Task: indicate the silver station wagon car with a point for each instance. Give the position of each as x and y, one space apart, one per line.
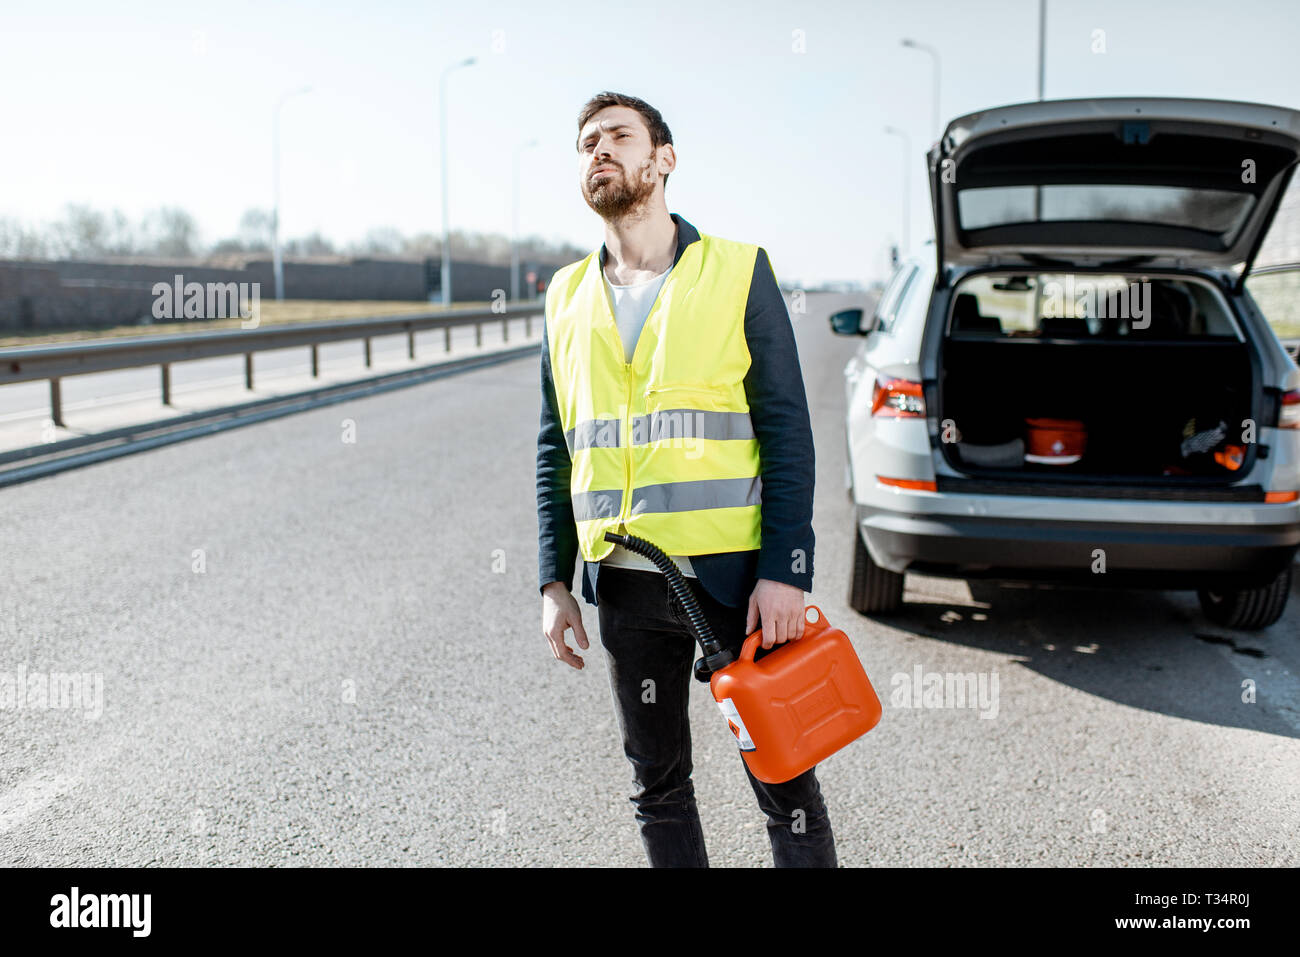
1073 384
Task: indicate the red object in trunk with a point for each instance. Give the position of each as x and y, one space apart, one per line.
1231 456
1054 441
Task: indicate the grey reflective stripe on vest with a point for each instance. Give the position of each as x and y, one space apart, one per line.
687 496
594 434
603 504
690 424
658 426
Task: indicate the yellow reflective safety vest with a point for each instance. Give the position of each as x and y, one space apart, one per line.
663 446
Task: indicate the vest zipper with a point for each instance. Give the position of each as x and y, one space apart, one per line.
627 449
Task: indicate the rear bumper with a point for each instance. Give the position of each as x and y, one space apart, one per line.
1172 556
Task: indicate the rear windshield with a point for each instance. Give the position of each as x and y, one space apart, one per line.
1213 211
1087 306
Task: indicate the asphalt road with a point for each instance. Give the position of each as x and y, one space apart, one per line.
322 652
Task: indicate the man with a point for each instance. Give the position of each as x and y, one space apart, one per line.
673 409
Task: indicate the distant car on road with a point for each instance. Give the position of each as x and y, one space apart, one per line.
1074 385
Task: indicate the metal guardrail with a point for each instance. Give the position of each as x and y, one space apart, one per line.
53 362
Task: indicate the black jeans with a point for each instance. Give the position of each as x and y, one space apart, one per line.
647 639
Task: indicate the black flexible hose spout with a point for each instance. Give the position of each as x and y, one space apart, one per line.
715 656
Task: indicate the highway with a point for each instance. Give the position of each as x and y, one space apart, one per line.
315 651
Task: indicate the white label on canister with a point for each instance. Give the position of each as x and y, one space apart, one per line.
729 712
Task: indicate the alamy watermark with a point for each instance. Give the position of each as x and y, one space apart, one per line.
55 689
75 909
670 428
1099 300
212 300
933 689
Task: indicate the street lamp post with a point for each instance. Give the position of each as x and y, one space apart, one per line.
934 54
1042 73
514 221
442 142
1042 45
277 263
1038 189
907 179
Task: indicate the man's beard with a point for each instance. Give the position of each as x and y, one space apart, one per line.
613 196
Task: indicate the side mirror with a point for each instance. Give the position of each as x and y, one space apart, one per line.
847 322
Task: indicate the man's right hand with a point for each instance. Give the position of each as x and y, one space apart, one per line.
560 611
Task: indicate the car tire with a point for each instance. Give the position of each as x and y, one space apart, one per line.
872 590
1248 608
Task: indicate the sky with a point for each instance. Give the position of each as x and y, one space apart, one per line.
777 110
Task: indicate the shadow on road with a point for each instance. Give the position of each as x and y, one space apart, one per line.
1152 650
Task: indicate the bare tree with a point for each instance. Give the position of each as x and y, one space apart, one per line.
255 230
81 232
21 242
119 237
381 241
425 245
313 245
172 233
534 247
84 232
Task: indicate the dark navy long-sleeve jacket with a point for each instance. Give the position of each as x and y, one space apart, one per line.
778 408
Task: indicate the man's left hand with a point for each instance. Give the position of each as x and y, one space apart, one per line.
781 609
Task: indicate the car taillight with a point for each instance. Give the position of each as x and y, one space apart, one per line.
897 398
1289 417
920 485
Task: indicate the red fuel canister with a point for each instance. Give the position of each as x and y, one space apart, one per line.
798 704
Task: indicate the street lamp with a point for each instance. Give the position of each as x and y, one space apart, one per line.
278 265
1042 45
442 141
934 54
514 221
907 189
1042 73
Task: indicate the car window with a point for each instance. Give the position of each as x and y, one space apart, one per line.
915 302
1217 211
887 307
1088 305
886 300
889 317
1277 293
1083 306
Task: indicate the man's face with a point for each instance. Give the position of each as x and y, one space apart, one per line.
618 171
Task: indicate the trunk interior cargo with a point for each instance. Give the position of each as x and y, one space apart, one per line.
1138 402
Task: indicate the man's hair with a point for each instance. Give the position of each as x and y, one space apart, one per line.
659 132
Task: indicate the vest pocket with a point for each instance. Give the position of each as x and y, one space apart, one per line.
687 389
692 410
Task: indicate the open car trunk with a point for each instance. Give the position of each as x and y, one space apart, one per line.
1155 402
1166 182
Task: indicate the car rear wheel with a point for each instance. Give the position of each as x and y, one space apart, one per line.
1248 608
872 590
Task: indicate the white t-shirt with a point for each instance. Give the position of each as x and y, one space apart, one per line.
632 306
